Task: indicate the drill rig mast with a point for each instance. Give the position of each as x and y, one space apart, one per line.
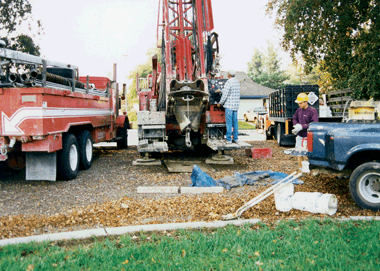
177 102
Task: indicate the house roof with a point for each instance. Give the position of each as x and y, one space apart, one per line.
248 88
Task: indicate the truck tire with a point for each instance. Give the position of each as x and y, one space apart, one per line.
365 186
279 133
68 157
123 133
85 149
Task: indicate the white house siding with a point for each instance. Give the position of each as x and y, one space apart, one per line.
246 104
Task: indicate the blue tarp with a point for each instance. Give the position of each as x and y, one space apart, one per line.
202 179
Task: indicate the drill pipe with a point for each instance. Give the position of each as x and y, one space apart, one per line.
12 77
60 80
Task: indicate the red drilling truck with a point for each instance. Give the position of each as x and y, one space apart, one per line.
178 101
50 117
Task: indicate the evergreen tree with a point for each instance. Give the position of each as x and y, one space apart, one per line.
265 69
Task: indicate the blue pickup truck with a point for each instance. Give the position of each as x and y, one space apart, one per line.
351 146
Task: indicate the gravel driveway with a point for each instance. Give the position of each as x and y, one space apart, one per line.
110 184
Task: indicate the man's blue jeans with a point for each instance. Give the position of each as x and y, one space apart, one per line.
231 123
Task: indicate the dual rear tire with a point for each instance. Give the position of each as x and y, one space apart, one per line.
76 153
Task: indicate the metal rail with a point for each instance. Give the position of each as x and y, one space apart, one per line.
23 58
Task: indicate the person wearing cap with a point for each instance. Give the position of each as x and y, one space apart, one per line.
230 100
304 115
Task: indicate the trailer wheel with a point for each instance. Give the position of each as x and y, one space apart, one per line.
85 149
123 133
279 133
365 186
269 133
68 157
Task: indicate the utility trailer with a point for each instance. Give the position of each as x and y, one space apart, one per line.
282 107
177 102
50 117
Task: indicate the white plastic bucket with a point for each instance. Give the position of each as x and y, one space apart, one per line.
305 167
283 198
315 202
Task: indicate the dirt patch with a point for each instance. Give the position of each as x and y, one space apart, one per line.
105 195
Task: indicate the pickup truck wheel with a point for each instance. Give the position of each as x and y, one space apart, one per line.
85 149
123 133
365 186
279 133
68 157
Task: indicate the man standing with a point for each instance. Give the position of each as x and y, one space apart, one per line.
304 115
230 101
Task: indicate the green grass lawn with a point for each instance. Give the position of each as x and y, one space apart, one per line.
246 126
305 245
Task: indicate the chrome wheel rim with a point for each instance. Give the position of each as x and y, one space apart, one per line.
369 187
73 159
88 150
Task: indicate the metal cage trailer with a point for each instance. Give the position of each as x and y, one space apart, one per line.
282 107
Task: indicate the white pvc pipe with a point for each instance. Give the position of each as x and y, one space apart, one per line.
267 193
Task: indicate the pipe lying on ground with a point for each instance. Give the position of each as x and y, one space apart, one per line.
262 196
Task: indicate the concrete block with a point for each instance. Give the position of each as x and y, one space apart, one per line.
158 189
200 190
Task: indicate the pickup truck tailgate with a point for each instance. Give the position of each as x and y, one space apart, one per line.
322 151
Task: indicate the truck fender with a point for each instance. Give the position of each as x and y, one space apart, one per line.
363 147
360 148
120 120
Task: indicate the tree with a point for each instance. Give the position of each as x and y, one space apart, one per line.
344 34
255 66
24 43
265 69
13 13
317 76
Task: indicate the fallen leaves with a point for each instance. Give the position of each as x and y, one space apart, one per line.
157 209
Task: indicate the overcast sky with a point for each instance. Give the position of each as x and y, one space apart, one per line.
94 34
